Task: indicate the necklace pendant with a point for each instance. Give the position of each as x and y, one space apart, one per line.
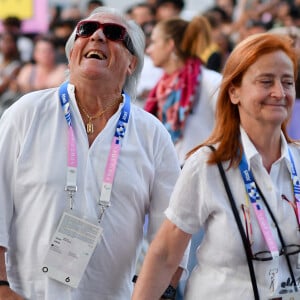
89 128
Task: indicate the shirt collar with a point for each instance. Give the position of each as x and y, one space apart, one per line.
252 154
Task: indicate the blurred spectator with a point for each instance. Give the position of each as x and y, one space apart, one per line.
217 18
61 30
10 65
166 9
230 15
296 13
92 4
244 14
44 72
206 49
147 29
283 15
144 15
217 14
250 28
152 3
72 12
185 96
54 14
228 6
25 44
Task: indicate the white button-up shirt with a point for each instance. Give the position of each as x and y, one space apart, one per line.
200 200
33 166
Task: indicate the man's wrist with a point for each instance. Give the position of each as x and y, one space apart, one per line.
4 283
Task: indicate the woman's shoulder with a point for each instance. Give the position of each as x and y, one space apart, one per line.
24 75
199 156
27 68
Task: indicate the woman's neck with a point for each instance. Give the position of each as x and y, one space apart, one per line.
173 66
268 144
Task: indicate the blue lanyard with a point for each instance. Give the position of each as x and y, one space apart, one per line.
296 185
254 195
111 164
260 214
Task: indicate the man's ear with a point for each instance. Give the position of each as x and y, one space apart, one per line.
132 65
234 94
71 52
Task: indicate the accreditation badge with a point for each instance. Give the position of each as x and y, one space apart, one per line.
71 248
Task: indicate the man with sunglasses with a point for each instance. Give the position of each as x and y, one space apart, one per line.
82 166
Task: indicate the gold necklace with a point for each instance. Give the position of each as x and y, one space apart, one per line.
89 124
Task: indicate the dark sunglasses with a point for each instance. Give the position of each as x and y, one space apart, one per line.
113 32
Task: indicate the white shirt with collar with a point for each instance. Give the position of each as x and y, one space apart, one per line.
33 150
222 271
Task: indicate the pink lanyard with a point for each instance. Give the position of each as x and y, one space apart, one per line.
111 165
260 214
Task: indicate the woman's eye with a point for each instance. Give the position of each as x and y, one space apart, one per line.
288 83
266 82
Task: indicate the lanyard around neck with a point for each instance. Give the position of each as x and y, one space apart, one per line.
71 186
254 196
296 185
109 174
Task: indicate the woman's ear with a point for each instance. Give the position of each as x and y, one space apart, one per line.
234 95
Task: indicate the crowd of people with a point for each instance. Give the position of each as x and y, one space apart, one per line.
151 153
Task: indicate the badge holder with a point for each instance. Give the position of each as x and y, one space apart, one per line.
71 248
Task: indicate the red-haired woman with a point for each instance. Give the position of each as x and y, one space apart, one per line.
251 244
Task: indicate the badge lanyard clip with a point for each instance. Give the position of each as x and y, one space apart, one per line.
71 190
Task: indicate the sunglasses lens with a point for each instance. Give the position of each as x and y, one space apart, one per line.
87 28
113 32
